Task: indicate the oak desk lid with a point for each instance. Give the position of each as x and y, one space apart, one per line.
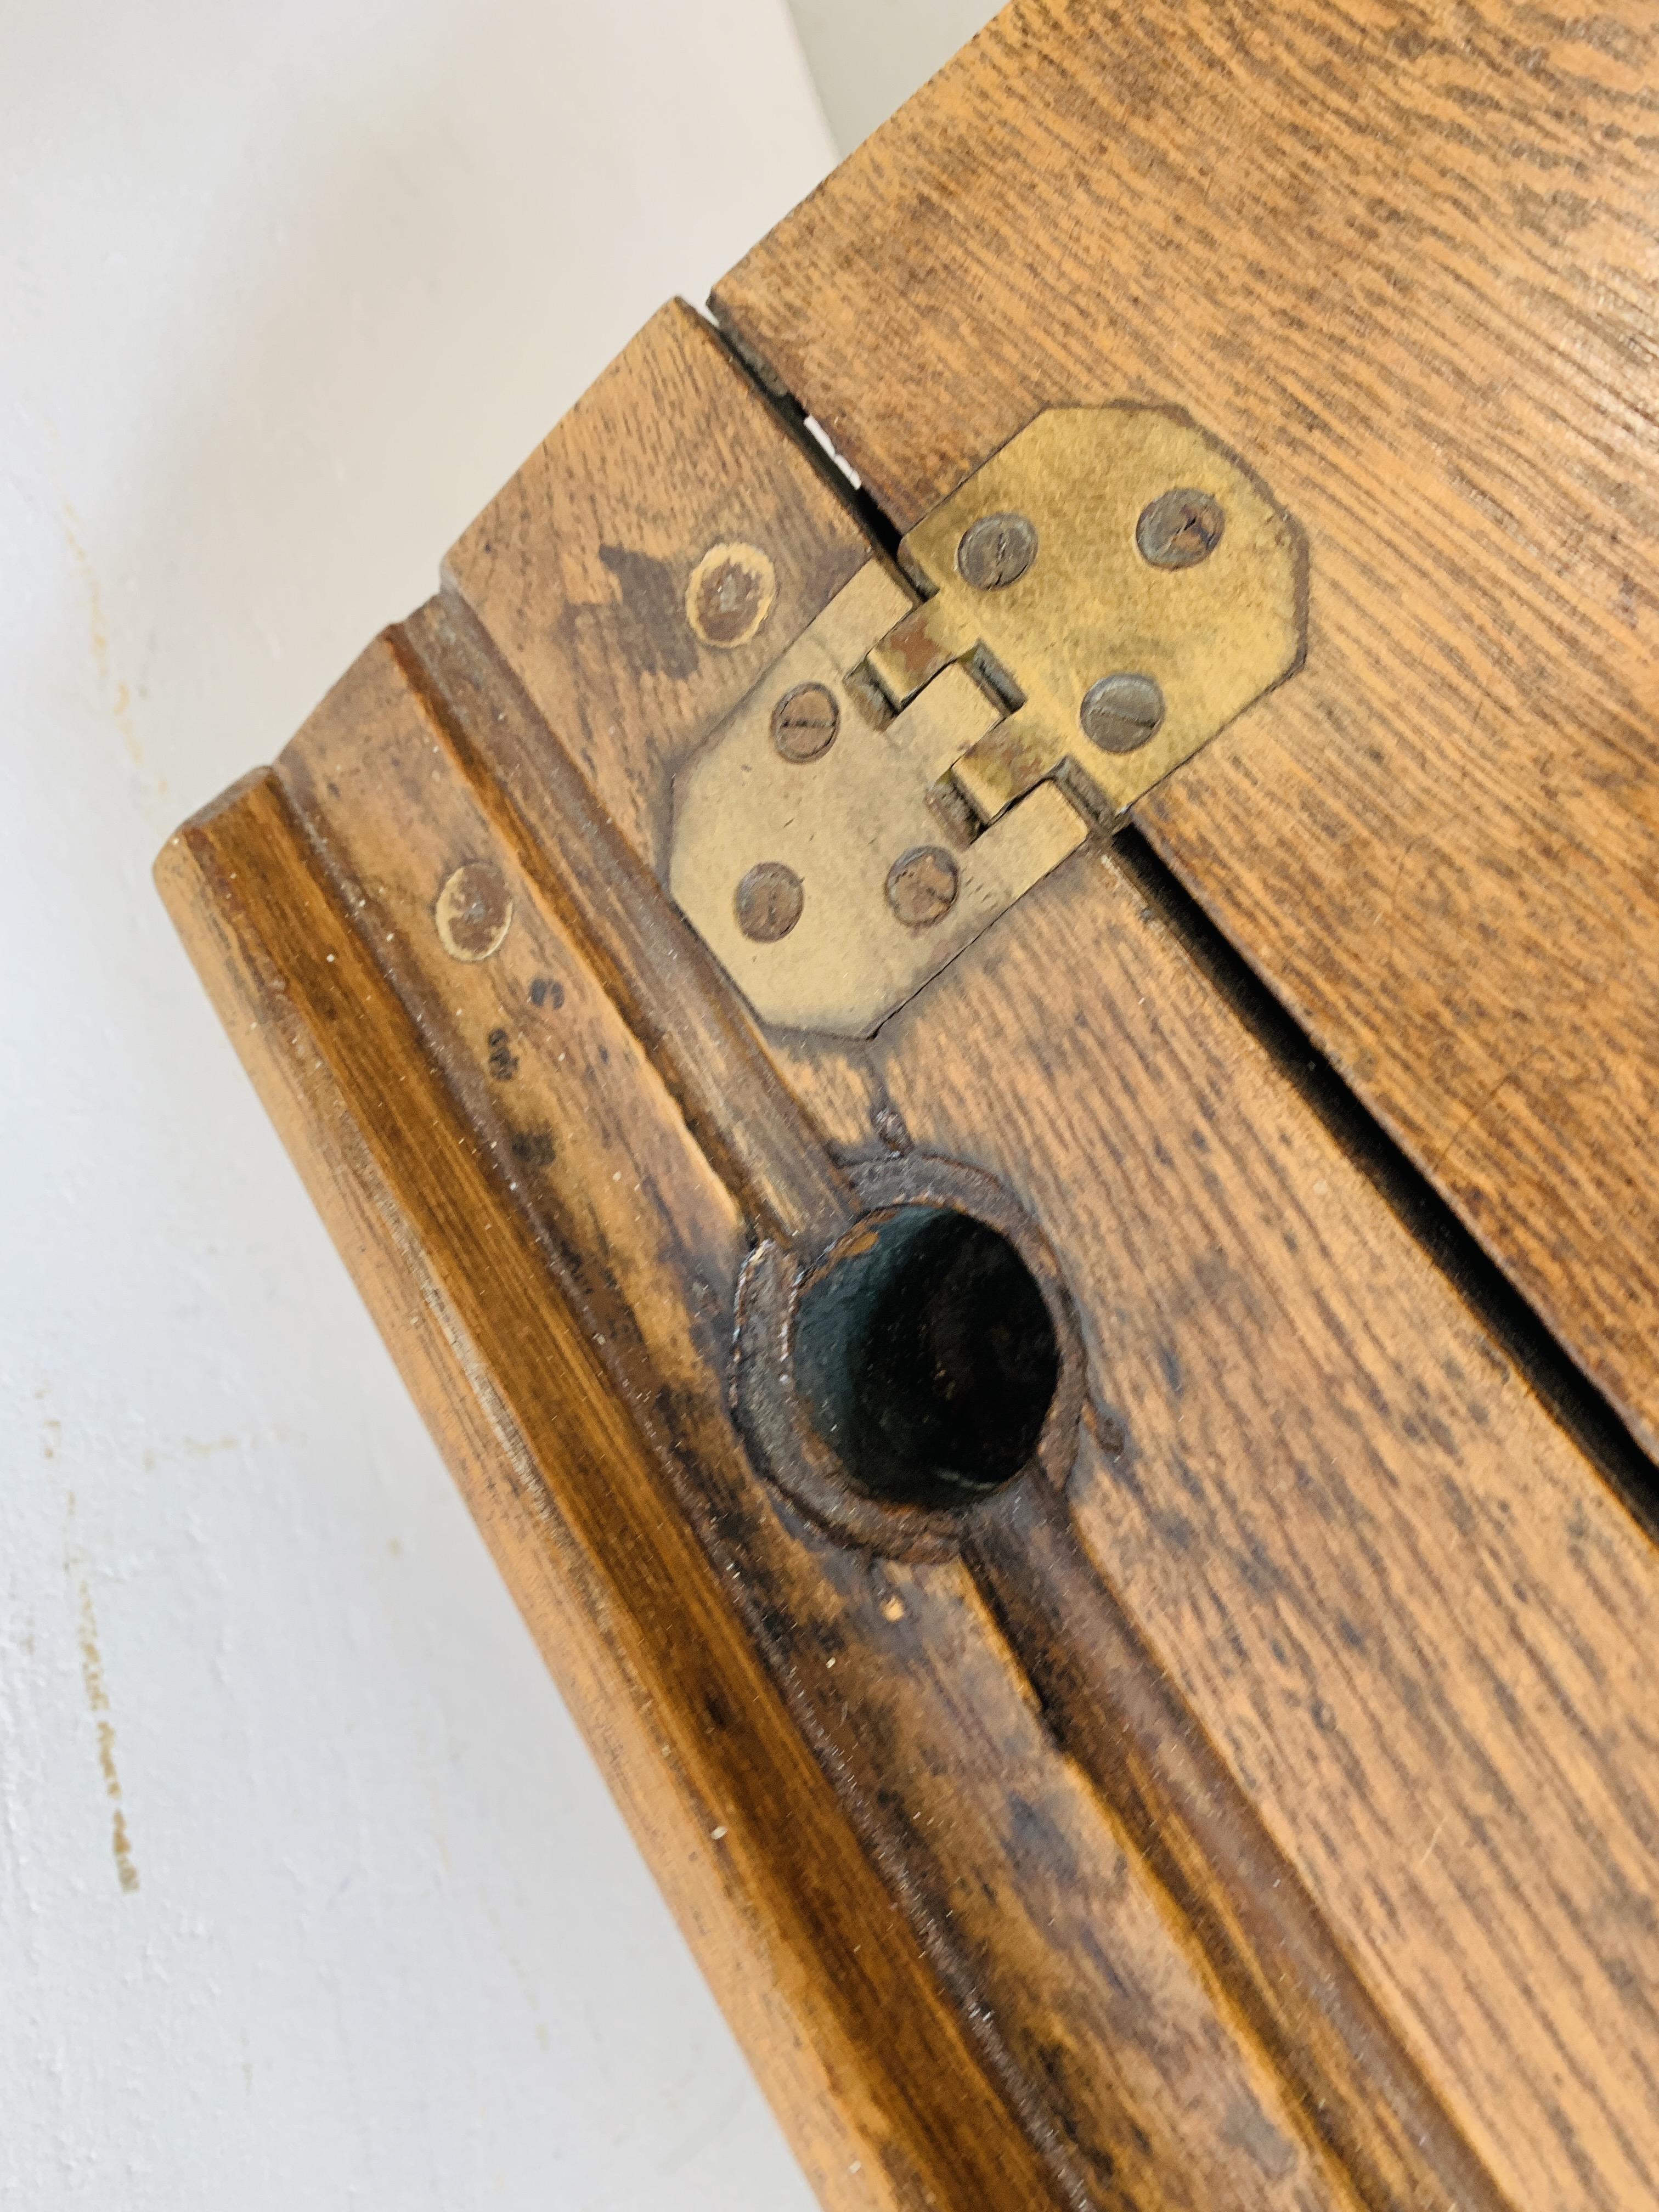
1132 1695
1403 258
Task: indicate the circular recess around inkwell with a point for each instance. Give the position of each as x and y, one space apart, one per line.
925 1363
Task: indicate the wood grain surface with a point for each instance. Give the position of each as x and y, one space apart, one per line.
1266 1822
1407 1611
958 1982
1400 256
1070 1132
1251 1286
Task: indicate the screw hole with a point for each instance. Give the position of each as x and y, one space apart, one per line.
926 1357
730 594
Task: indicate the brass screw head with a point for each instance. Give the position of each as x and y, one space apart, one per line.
730 594
997 550
473 912
1122 713
922 885
1179 529
805 722
769 901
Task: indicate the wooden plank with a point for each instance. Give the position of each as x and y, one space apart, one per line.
1265 1825
1212 1231
569 1444
577 569
572 1615
1399 254
1111 1702
959 1985
1389 1589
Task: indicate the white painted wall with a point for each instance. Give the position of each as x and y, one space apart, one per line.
309 1897
866 56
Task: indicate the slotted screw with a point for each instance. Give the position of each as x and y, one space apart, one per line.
1179 529
996 550
769 901
1123 712
805 722
922 885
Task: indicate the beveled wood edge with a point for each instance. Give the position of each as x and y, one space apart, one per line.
654 969
836 2084
1345 2062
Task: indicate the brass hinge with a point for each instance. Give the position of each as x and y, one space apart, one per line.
1099 599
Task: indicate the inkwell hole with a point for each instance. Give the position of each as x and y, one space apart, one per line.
927 1357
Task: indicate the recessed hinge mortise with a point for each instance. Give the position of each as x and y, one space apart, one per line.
1103 597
